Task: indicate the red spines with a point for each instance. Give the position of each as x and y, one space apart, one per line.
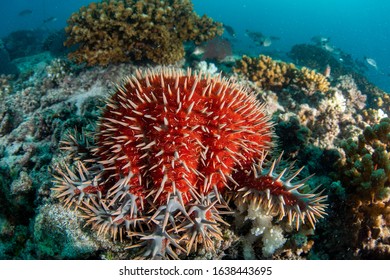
171 131
168 147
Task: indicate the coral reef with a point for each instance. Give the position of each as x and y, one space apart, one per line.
311 81
265 72
58 70
32 119
315 57
311 127
171 150
366 166
276 75
115 31
54 103
364 186
340 64
327 117
337 113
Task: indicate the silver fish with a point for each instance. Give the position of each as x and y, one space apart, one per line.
371 62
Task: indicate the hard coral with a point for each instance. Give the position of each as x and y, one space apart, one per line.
311 81
115 31
340 63
276 75
365 174
266 72
366 166
171 149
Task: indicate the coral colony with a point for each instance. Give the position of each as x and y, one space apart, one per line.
121 31
172 152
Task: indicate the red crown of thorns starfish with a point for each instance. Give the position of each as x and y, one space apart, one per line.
171 149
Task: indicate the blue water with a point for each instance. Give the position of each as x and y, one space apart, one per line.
357 27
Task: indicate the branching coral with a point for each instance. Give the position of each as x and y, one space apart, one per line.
275 75
115 31
365 174
171 149
266 72
311 81
366 167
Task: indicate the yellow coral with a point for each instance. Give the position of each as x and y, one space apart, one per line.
114 31
265 72
311 80
275 75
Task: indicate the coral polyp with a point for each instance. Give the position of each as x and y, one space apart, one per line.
171 149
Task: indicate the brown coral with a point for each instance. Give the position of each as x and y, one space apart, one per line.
311 81
266 72
365 174
114 31
366 167
276 75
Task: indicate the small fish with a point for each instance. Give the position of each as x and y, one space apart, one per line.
198 51
328 47
25 12
327 71
371 62
320 40
260 39
265 42
229 30
253 35
50 19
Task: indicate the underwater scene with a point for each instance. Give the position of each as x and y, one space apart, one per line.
179 129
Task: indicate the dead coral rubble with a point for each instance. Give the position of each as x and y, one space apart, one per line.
114 31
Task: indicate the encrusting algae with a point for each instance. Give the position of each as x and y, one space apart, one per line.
114 31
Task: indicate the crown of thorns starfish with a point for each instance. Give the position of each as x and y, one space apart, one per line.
171 149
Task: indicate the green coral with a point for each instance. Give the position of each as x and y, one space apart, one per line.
365 174
366 166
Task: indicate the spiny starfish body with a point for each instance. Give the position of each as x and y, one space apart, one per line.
170 149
